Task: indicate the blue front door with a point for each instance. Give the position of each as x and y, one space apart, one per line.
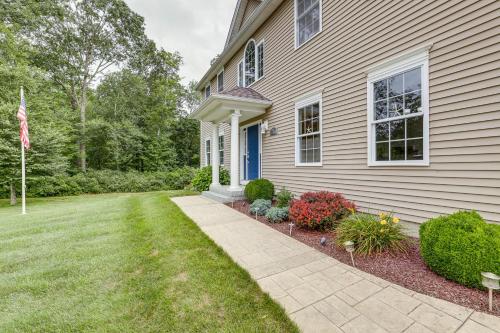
253 152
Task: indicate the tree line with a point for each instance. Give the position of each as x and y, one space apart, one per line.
100 94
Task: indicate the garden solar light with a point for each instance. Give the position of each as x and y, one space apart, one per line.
291 227
323 241
349 247
490 281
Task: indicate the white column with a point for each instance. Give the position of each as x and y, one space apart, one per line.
215 154
235 150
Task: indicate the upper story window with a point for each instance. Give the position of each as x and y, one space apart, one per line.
220 82
251 67
240 74
207 91
307 20
260 60
308 131
398 111
250 63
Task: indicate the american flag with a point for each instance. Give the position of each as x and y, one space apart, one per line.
23 123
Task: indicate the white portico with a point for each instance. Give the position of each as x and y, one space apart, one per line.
234 106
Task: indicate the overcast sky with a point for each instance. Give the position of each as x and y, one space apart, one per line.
197 29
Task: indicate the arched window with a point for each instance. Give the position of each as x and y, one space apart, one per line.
250 63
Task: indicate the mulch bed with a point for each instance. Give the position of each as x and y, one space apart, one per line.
405 269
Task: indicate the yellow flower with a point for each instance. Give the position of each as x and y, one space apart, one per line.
382 215
395 220
351 210
383 222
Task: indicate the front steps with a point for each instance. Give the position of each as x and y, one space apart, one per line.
221 193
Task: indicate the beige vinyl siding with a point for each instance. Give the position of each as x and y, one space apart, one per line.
464 103
251 6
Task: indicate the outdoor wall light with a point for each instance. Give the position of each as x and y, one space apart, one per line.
349 247
492 282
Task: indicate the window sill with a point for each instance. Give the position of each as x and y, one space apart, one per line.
254 82
399 164
307 41
320 164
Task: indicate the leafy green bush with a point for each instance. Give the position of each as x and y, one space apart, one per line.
259 189
260 206
105 181
277 214
283 198
371 233
461 246
203 178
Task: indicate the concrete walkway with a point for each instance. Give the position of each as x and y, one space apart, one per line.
320 293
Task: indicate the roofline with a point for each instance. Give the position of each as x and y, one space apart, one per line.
258 17
233 21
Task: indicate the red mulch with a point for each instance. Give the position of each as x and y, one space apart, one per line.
405 269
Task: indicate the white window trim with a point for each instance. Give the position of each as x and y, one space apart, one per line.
242 63
243 60
208 161
297 46
223 79
205 91
403 63
257 65
306 100
223 148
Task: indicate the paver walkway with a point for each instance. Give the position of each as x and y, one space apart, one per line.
320 293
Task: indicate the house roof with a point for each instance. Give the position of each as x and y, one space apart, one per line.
237 20
258 17
247 93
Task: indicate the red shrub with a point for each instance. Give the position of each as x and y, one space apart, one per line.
320 210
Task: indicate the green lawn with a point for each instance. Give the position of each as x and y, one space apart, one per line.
122 263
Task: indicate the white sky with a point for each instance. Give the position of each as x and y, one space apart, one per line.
197 29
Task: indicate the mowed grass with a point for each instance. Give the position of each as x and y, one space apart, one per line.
122 263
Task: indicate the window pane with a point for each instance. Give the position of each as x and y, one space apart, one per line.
315 110
303 128
413 102
382 132
398 150
413 80
303 157
315 125
303 145
317 141
310 156
383 151
381 110
415 127
250 64
309 20
396 85
300 7
260 61
415 149
396 106
317 156
397 130
241 72
220 82
380 90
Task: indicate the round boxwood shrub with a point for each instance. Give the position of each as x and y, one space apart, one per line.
461 246
203 178
259 189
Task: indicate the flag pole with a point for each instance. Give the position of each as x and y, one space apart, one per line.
23 170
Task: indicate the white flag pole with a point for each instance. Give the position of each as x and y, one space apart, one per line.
23 170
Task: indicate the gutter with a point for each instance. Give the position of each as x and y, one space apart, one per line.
258 17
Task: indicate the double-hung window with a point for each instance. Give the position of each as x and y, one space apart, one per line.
208 153
220 82
251 67
221 149
308 131
398 113
207 91
307 20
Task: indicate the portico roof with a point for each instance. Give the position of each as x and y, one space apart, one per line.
218 107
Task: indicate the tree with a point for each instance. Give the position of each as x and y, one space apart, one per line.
80 45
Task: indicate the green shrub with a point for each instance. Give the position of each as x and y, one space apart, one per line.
371 233
260 206
259 189
277 214
203 178
105 181
461 246
283 198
